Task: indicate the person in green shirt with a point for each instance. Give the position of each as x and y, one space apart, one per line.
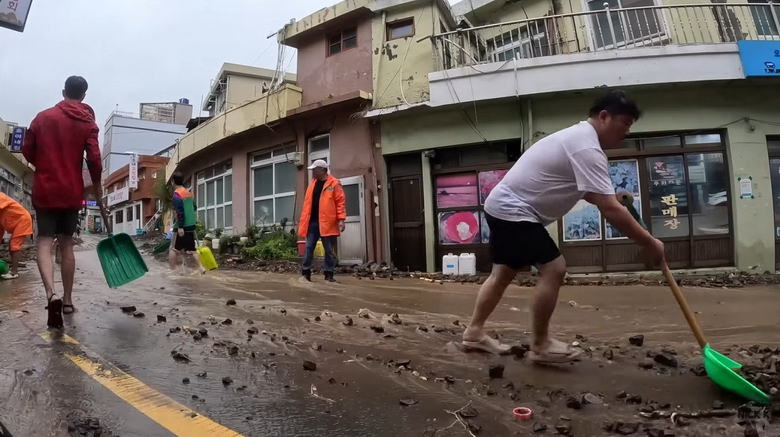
184 225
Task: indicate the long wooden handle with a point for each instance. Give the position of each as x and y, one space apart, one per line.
689 316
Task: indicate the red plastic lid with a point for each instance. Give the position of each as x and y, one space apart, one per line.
522 413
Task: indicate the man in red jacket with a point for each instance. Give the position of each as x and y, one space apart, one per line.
55 144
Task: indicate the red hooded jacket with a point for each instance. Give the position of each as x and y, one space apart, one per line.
55 144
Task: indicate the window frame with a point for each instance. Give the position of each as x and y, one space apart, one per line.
401 22
201 189
340 34
761 26
663 33
279 155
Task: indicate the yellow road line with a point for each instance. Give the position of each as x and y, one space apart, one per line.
168 413
63 338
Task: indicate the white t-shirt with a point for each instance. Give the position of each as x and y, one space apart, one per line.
549 178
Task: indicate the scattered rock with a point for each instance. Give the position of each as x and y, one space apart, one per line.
622 428
496 371
233 350
637 340
423 328
178 356
202 374
647 363
230 302
666 360
227 380
185 381
318 319
407 402
161 319
138 314
250 322
717 405
128 309
377 328
283 311
309 365
699 370
590 398
439 329
519 351
404 363
349 322
574 403
252 331
339 351
175 329
634 399
468 412
364 313
395 319
539 427
609 354
196 336
203 332
563 428
316 346
227 322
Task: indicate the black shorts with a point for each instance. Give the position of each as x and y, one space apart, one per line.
54 222
185 243
520 244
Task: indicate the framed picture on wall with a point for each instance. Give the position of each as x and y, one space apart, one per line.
456 190
459 227
487 181
582 223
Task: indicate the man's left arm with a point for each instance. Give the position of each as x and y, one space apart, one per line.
341 208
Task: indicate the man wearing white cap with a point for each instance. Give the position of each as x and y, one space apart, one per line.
322 218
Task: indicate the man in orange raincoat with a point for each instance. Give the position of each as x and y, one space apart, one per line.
17 221
322 218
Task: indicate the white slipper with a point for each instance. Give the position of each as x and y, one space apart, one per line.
487 344
557 352
10 276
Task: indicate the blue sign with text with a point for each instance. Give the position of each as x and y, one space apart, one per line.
17 139
760 58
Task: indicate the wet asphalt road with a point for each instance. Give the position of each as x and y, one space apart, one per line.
358 387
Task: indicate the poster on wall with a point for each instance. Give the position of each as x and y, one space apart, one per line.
457 190
487 181
460 227
582 223
625 177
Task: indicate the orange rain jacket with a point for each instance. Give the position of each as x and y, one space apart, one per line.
332 208
14 219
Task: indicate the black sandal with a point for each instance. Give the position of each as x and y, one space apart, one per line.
55 313
66 307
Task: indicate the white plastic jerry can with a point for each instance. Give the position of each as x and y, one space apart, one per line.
467 264
449 264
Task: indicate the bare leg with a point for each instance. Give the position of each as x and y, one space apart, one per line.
550 279
198 263
15 262
67 267
173 259
489 295
46 264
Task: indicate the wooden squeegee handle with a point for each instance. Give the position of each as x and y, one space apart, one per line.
686 309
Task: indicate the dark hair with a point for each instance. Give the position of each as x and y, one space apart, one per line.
75 87
616 103
178 178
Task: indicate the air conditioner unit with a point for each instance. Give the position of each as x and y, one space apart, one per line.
296 158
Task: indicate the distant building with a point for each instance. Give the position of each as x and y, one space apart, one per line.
130 210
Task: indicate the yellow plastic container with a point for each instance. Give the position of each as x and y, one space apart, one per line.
319 250
207 258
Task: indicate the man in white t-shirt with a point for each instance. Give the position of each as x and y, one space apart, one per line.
542 186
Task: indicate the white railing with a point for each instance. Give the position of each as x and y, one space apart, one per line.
607 29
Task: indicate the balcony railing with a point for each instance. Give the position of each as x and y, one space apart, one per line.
607 29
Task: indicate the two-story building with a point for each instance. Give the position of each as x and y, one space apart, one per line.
134 209
702 162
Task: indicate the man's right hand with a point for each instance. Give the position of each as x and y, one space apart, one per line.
180 232
655 250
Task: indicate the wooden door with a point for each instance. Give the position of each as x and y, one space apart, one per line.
408 223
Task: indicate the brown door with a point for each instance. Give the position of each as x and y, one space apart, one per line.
408 224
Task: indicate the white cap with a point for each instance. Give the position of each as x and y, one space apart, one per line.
320 163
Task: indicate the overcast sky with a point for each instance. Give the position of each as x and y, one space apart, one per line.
133 51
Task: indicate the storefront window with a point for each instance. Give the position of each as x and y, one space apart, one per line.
273 187
668 197
708 180
214 196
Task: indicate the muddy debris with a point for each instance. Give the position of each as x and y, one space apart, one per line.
539 427
227 322
637 340
574 403
422 328
364 313
395 319
403 363
563 428
185 380
180 356
227 380
622 428
203 332
252 331
647 363
196 336
316 346
230 302
128 309
348 321
594 399
139 315
233 350
202 374
496 371
175 329
309 365
161 319
408 402
666 360
377 328
317 319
